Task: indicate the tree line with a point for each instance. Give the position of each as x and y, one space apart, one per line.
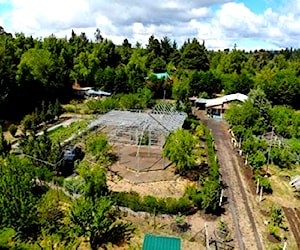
36 70
269 134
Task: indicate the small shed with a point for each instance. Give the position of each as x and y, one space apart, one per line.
158 242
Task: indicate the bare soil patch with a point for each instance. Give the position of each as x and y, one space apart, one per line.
143 159
173 188
249 178
294 222
272 238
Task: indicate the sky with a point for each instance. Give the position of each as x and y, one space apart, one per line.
248 24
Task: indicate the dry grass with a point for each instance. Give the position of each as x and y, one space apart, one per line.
158 189
283 195
161 226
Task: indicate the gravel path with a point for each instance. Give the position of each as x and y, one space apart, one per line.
246 232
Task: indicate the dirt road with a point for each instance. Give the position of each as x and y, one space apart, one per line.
246 232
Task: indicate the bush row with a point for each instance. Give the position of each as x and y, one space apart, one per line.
214 173
153 204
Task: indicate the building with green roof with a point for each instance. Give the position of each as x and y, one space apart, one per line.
158 242
162 75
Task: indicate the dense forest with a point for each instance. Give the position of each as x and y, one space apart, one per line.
33 70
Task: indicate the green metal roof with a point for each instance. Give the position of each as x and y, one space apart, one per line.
161 75
156 242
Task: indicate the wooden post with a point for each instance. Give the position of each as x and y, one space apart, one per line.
261 193
136 137
154 221
206 237
257 186
284 245
221 197
149 142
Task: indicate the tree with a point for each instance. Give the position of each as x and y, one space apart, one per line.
36 75
158 65
95 181
57 109
12 129
210 195
19 196
29 123
181 90
257 160
125 51
281 157
194 56
43 153
179 148
98 36
277 215
4 145
238 83
166 48
208 82
97 221
253 114
50 113
51 214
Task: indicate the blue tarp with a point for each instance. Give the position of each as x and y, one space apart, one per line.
97 92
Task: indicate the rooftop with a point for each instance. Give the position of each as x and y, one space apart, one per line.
221 100
156 242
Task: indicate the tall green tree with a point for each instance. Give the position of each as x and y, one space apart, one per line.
98 222
194 56
19 197
4 145
179 148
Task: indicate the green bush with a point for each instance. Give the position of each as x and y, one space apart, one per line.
264 182
190 122
6 234
152 204
274 230
70 109
102 105
192 193
58 180
12 129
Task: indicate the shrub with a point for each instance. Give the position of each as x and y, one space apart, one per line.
70 109
274 230
28 122
58 180
12 129
192 193
190 122
152 204
264 182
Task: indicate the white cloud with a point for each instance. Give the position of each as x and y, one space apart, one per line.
137 20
